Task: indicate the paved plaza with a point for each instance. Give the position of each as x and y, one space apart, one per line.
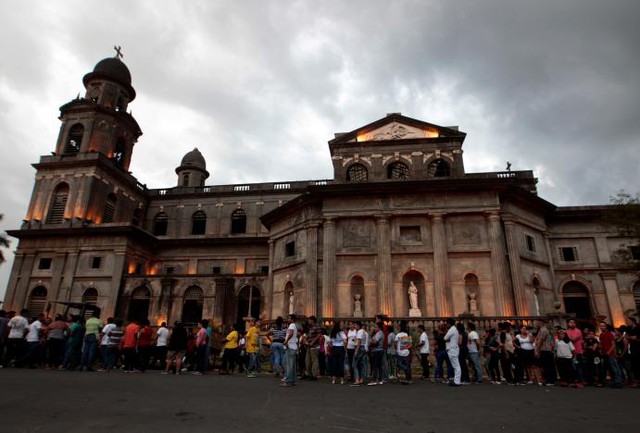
51 401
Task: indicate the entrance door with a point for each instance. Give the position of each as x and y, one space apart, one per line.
139 304
577 304
249 303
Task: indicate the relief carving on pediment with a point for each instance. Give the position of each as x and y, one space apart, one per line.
356 234
465 233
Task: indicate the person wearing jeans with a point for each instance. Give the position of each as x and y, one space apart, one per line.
473 344
451 339
291 348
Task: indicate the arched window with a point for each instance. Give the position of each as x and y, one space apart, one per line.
397 170
118 154
90 296
471 287
160 223
74 139
239 221
192 305
357 173
37 301
109 209
438 168
198 223
249 303
58 204
576 300
185 179
636 295
139 304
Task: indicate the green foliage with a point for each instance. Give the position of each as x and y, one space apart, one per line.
4 242
624 216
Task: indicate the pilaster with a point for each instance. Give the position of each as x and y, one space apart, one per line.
503 299
520 296
385 302
440 266
328 267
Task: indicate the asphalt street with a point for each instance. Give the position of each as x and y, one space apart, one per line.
52 401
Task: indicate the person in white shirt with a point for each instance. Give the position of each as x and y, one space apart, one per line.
451 339
423 346
16 345
360 355
291 349
32 357
351 348
162 338
104 343
473 344
403 351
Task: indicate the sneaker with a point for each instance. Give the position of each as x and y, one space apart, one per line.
196 373
372 383
164 372
549 384
252 375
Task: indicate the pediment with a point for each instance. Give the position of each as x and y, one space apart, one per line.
396 127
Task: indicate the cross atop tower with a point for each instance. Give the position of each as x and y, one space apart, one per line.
119 54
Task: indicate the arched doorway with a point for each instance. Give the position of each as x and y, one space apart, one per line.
139 304
249 303
577 304
37 301
90 296
192 305
417 279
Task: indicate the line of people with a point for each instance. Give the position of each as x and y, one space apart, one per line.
307 351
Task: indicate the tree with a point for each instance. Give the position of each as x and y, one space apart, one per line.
4 242
624 216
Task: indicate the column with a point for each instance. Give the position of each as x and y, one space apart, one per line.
385 301
312 269
22 288
114 287
64 292
60 265
520 296
552 271
616 313
440 266
16 271
328 267
268 299
503 299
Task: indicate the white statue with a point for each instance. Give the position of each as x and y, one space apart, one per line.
291 303
473 304
413 296
357 303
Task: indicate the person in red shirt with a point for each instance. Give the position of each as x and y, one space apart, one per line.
145 337
608 352
575 335
129 345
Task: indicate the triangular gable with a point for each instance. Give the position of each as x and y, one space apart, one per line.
396 127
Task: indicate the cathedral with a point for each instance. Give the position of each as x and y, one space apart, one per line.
400 229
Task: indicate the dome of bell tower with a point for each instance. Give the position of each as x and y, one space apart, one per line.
193 169
112 69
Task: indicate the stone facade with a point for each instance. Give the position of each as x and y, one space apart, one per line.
400 209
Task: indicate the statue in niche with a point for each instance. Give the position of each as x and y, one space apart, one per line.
413 296
473 304
292 301
357 305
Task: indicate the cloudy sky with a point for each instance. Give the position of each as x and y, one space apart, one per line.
261 86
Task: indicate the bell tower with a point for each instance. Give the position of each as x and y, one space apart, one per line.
99 122
87 180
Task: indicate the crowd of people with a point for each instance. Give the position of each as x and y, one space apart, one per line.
305 350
